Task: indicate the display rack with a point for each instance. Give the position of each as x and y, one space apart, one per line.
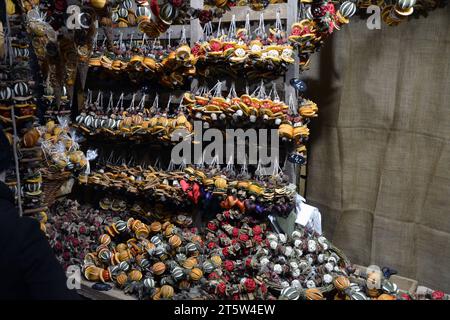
8 58
193 31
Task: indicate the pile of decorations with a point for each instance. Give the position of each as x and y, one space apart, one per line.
73 230
161 260
236 237
259 264
236 257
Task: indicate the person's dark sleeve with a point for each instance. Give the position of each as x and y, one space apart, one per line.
43 276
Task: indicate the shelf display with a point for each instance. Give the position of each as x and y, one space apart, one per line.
155 17
137 122
139 61
267 195
18 98
256 53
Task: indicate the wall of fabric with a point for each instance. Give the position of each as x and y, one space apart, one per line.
379 161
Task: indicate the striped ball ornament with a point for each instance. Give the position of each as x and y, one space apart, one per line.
123 13
358 296
124 266
313 294
191 247
177 273
143 12
290 293
308 13
149 283
127 4
159 251
347 9
144 264
115 17
24 52
5 93
21 89
16 52
135 275
121 225
156 240
196 274
208 267
405 4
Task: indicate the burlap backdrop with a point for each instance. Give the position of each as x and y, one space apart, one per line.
379 164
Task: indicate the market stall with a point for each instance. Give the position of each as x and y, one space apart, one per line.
96 102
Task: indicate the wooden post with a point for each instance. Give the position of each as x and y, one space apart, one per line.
293 71
13 120
196 28
196 33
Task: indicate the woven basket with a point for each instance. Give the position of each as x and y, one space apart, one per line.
52 182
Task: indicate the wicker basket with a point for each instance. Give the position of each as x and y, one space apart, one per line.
52 182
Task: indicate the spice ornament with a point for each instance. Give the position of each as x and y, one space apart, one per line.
165 263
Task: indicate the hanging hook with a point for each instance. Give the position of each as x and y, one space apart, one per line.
120 101
168 104
232 29
110 103
133 97
141 104
169 36
183 39
155 105
247 23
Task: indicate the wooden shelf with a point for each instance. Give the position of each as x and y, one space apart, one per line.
31 211
113 294
38 148
31 160
270 13
137 34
